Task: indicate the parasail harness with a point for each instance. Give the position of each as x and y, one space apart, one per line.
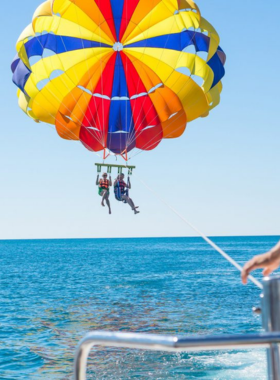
119 193
118 188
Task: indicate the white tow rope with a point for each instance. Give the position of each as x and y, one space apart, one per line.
204 237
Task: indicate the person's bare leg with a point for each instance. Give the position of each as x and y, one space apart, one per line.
108 203
105 197
135 208
131 204
104 194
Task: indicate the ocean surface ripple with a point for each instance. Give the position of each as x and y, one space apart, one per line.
54 291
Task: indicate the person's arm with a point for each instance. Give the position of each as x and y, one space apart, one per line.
270 261
116 182
110 181
97 180
128 183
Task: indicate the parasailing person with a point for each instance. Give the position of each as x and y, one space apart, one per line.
104 185
122 193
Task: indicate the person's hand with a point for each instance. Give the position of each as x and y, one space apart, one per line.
270 261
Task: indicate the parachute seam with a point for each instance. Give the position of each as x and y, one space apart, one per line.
101 137
148 31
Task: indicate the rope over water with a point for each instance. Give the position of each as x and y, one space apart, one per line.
201 234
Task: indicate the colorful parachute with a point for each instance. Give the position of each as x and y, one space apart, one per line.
118 74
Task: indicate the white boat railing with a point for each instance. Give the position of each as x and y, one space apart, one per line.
269 339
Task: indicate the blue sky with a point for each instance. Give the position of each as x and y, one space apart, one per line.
222 175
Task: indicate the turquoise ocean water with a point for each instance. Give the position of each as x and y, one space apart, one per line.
54 291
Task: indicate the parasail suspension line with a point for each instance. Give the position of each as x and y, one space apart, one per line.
201 234
124 155
105 154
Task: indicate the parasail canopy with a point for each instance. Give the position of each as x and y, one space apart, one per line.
118 74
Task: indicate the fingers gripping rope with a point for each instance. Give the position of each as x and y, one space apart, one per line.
204 237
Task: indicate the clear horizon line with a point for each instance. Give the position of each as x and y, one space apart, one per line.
140 237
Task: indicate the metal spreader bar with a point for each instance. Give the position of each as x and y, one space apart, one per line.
119 167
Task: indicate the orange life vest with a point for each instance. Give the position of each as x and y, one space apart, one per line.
104 184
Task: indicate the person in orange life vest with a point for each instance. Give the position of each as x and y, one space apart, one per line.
121 192
104 189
